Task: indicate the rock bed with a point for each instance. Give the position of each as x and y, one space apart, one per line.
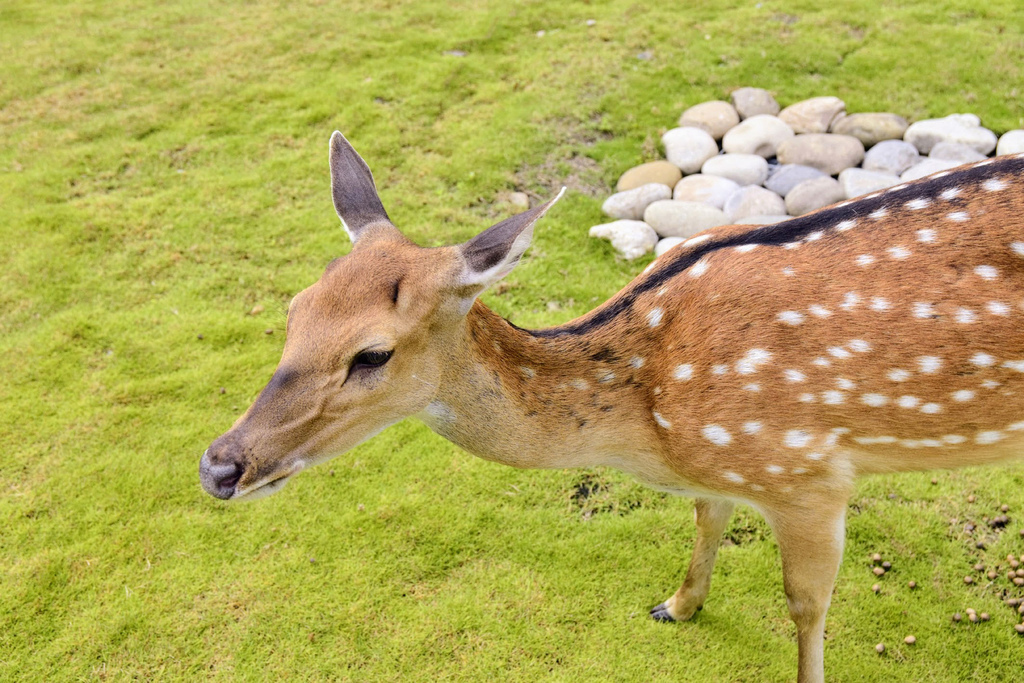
745 161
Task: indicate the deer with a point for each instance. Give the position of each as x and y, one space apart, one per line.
765 365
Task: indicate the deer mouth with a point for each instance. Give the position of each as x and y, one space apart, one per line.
268 486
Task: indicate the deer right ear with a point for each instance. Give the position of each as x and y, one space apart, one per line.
352 188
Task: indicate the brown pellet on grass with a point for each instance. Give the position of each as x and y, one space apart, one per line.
878 571
876 558
980 567
1019 628
880 648
910 640
971 498
875 588
993 575
911 585
968 579
957 616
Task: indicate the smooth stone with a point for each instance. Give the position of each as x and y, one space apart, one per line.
763 220
963 128
671 218
856 181
784 178
1012 142
954 151
871 128
667 243
688 148
891 156
752 200
761 135
814 115
707 189
827 152
753 101
652 172
744 169
520 200
632 203
715 116
632 239
927 167
813 194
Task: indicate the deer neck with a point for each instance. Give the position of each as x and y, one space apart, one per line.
538 402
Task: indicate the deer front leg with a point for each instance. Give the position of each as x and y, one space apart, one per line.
711 517
811 544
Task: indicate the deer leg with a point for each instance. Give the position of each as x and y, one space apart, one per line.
711 517
811 544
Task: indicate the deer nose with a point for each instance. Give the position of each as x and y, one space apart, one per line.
219 471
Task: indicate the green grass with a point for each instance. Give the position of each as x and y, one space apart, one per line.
163 170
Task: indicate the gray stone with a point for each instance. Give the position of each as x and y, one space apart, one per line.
954 151
632 239
787 176
652 172
814 115
688 148
632 203
813 194
761 135
753 101
707 189
891 156
763 220
1012 142
927 167
963 128
856 181
671 218
871 128
827 152
752 200
716 117
519 200
667 243
745 169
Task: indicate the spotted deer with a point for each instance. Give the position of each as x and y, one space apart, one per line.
767 365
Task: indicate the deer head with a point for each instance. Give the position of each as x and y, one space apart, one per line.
366 344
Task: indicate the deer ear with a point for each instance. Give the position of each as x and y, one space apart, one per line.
352 188
493 254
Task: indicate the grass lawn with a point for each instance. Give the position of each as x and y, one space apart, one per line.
163 173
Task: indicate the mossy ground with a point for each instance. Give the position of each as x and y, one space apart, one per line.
163 171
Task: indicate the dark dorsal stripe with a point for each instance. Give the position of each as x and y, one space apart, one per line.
968 180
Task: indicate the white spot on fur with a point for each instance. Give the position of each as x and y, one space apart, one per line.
654 317
526 372
805 398
846 384
953 439
752 427
821 362
580 384
872 440
878 214
918 204
898 375
850 301
791 317
814 236
796 438
997 308
958 216
794 376
931 408
605 376
865 260
963 395
744 248
788 272
990 384
843 226
923 310
929 364
859 345
839 352
908 401
735 478
951 193
833 397
717 435
698 268
637 362
879 304
662 422
1017 365
683 372
721 369
1018 248
819 311
994 184
815 456
965 316
752 387
752 360
874 400
696 240
898 253
983 360
1016 427
774 469
990 437
986 272
926 236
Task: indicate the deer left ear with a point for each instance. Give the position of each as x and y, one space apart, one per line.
493 254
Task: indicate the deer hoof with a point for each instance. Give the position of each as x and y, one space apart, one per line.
661 613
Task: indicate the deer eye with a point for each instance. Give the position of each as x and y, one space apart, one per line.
371 359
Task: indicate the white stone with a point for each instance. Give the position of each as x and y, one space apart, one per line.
707 189
784 178
1012 142
688 148
752 200
926 167
891 156
716 117
667 243
962 128
814 115
955 151
753 101
671 218
631 203
812 195
744 169
856 181
632 239
763 220
759 135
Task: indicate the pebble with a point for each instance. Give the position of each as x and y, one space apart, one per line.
630 238
268 331
688 148
632 203
880 648
652 172
871 128
763 220
971 498
826 152
223 390
875 588
926 167
887 566
877 557
891 156
813 194
715 117
954 151
752 200
761 135
707 189
993 575
878 571
671 218
744 169
856 182
957 617
1019 628
753 101
910 640
979 567
814 115
1012 142
787 176
667 243
911 584
984 616
1004 508
968 580
521 200
256 310
963 128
